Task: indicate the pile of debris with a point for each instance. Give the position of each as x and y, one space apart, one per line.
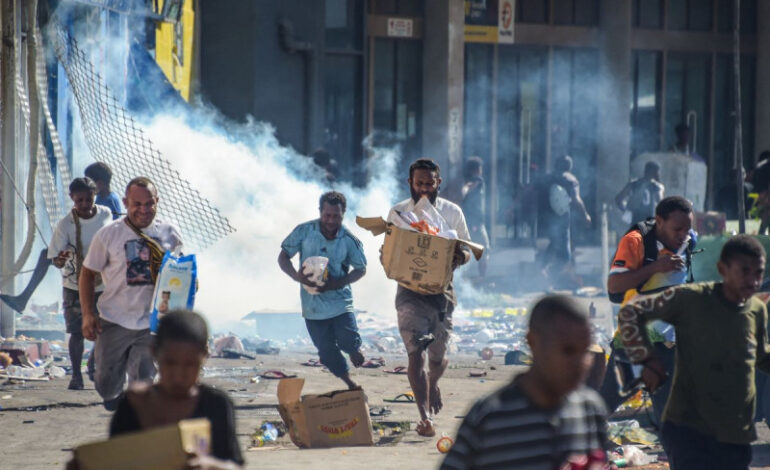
25 359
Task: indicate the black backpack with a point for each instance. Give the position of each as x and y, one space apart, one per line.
647 229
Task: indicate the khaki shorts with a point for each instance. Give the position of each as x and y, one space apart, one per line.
73 313
418 319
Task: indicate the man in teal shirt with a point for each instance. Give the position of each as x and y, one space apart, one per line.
329 314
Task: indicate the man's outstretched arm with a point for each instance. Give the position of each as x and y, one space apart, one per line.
632 323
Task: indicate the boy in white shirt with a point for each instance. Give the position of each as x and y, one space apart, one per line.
67 250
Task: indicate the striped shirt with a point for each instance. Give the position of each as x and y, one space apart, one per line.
507 430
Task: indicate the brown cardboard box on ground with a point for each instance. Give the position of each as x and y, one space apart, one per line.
339 418
156 449
418 261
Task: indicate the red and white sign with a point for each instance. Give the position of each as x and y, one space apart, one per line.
505 22
400 28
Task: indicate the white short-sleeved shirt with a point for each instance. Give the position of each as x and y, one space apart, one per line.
451 212
122 258
65 239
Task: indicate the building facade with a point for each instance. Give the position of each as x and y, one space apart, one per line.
517 83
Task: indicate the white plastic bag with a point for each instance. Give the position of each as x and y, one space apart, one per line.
175 286
424 211
317 268
635 456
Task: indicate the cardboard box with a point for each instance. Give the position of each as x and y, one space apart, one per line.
156 449
339 418
418 261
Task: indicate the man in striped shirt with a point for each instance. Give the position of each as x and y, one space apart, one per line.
546 415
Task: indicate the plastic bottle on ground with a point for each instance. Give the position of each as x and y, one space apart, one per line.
269 433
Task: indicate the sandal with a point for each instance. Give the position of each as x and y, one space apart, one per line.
397 370
379 411
425 428
276 374
477 373
374 363
311 363
407 397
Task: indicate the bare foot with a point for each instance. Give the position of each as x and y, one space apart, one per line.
425 428
357 358
351 385
435 399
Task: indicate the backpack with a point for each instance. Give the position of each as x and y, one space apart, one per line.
647 229
558 199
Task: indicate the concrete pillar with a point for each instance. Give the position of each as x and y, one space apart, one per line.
8 155
761 136
614 133
442 86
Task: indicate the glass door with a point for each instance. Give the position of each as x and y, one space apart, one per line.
397 97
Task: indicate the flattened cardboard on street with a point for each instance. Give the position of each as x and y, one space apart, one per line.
334 419
156 449
416 260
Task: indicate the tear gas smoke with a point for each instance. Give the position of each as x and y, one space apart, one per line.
253 182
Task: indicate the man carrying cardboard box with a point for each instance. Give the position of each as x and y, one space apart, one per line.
424 321
328 311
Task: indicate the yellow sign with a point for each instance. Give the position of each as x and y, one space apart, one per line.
489 21
476 33
174 49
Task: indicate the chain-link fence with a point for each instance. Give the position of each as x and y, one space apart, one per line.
115 138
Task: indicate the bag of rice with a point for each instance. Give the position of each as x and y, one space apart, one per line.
175 288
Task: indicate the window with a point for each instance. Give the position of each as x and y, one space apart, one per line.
521 139
342 107
397 113
690 15
645 105
687 96
574 117
648 14
398 7
343 97
725 9
531 11
344 23
576 12
724 122
477 111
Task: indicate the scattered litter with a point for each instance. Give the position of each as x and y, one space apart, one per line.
229 353
379 411
56 372
517 358
276 374
486 353
311 363
629 431
631 456
477 373
374 363
397 370
406 397
444 444
6 397
390 432
230 342
387 344
5 359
